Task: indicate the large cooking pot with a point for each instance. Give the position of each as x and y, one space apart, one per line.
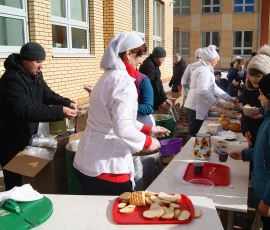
165 121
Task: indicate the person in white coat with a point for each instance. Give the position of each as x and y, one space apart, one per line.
103 160
203 92
185 81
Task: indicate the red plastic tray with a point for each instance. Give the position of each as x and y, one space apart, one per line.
136 217
217 173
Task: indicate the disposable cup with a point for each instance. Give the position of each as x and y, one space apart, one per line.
198 168
223 155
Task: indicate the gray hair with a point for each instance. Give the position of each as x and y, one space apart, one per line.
177 55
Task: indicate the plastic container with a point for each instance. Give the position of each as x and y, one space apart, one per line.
165 121
74 186
201 187
58 127
170 146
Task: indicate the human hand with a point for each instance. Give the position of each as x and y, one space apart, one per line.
220 104
263 209
239 116
88 87
158 131
236 155
239 93
259 116
155 145
169 102
248 136
234 101
69 113
164 106
73 105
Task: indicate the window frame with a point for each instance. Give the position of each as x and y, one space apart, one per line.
69 24
15 13
155 37
242 48
180 48
211 5
243 7
211 39
181 7
142 35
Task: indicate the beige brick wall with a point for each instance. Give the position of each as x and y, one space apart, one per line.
67 75
225 22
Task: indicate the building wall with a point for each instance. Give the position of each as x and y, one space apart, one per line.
225 22
66 75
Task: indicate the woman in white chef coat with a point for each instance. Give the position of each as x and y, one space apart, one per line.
203 92
103 160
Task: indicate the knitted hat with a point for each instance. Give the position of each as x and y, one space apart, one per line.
217 72
32 51
264 85
209 53
158 52
261 61
237 57
198 52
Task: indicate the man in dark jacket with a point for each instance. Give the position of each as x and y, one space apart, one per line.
26 100
178 71
150 67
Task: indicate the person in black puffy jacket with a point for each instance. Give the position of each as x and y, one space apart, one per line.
26 100
178 71
150 67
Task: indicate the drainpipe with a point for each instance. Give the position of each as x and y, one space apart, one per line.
259 26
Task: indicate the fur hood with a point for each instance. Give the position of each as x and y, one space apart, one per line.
249 85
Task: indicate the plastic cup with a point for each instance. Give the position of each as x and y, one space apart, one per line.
200 186
223 155
198 168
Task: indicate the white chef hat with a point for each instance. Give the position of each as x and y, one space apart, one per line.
198 52
118 44
209 53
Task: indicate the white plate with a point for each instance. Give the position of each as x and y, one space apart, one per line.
228 134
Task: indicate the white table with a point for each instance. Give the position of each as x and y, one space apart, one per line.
226 198
95 212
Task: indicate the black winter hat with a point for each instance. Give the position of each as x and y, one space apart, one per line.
158 52
217 72
264 85
32 51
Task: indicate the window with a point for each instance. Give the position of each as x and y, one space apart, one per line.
181 43
211 38
138 17
157 24
243 5
211 6
70 26
242 42
13 26
181 7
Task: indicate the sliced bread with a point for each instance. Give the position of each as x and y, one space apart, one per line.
153 213
168 214
184 215
165 196
128 209
125 196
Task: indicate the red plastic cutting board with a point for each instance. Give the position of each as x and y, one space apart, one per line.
217 173
136 217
